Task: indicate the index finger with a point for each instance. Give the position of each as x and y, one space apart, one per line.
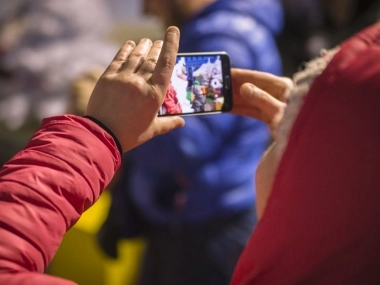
277 86
165 64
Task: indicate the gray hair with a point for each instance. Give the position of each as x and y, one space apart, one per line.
303 81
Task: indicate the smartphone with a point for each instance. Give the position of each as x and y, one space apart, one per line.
200 84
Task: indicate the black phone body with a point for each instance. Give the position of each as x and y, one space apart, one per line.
200 84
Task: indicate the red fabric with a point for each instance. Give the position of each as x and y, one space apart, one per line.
43 191
322 221
171 101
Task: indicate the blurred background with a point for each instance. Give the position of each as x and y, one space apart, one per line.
45 45
51 54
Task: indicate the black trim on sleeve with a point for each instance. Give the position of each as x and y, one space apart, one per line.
100 124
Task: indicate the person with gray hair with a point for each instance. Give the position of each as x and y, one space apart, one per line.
318 184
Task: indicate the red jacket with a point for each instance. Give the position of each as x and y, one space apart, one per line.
322 221
43 191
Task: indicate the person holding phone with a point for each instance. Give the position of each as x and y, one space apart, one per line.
192 189
69 161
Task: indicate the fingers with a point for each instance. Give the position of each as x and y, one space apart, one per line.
256 103
160 126
261 100
120 58
147 68
167 124
137 56
278 87
166 61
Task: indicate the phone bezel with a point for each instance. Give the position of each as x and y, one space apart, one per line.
227 83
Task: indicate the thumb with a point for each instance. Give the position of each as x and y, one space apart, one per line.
167 124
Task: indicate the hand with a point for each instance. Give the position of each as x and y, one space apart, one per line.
127 97
260 95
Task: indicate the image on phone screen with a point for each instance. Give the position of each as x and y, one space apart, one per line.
200 84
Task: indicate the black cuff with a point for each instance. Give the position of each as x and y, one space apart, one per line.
99 123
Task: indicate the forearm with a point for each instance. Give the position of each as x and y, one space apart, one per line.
47 186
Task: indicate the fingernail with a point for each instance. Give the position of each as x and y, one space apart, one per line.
131 43
145 40
173 29
158 43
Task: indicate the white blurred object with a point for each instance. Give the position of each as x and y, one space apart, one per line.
315 44
60 40
14 110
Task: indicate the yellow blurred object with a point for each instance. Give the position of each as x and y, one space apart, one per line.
81 89
80 259
219 103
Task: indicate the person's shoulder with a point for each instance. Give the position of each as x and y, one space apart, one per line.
226 27
225 23
243 37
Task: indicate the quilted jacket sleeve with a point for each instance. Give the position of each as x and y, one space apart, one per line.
43 191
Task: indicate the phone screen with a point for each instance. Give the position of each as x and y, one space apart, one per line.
200 84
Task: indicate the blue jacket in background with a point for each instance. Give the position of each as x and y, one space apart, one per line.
206 169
